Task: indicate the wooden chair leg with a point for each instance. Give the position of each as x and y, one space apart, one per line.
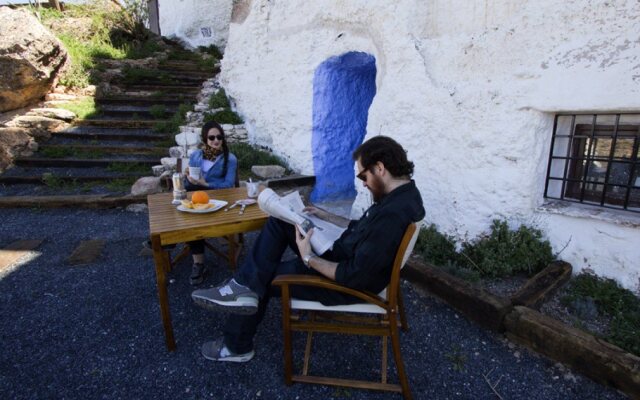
286 330
403 315
395 343
385 351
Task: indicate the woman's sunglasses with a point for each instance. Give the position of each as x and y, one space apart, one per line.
214 137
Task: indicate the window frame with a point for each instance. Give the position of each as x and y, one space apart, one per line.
579 166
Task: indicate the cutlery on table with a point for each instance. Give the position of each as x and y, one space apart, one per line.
231 206
242 209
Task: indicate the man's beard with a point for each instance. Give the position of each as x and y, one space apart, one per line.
376 188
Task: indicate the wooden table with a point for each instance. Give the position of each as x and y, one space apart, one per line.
167 226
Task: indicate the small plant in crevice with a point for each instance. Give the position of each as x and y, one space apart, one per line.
52 181
457 358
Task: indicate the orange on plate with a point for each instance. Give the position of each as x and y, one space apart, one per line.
200 197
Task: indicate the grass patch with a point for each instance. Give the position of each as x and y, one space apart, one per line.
120 184
249 156
224 117
158 111
172 126
83 108
614 301
133 75
502 252
128 168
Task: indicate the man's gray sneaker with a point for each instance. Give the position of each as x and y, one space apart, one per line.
230 296
198 271
217 351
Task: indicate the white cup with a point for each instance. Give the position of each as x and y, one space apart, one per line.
253 189
194 172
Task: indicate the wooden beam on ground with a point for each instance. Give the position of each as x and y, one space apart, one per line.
14 252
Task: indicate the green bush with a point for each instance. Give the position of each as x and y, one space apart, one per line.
174 123
212 50
614 301
435 247
505 252
249 156
219 100
224 117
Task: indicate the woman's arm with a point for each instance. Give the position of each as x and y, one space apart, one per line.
232 167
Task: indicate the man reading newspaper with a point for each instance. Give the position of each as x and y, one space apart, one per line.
361 258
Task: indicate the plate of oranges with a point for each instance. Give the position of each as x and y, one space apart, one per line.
201 203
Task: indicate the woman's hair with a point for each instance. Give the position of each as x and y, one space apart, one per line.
225 147
387 151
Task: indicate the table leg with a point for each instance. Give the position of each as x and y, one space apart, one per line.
162 265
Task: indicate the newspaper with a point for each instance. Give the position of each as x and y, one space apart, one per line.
289 209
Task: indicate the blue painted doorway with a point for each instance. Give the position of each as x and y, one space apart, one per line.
343 89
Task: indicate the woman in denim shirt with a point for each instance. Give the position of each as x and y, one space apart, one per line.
217 171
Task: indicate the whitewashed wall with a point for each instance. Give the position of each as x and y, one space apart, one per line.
469 87
196 22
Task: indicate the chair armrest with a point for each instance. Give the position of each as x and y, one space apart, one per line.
318 281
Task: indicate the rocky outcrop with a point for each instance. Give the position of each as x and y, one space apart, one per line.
15 142
30 58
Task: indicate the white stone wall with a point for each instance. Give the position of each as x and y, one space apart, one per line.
469 87
196 22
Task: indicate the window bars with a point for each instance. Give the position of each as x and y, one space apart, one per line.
594 160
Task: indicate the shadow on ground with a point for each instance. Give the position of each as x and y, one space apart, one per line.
94 332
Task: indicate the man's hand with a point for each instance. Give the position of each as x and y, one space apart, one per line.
304 242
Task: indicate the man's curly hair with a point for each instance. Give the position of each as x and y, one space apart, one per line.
388 152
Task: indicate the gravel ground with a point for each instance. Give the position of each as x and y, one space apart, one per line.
94 332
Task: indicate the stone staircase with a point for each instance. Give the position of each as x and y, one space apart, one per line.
100 157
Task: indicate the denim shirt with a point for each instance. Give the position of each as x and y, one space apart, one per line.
214 175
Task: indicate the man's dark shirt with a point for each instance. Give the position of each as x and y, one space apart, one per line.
366 250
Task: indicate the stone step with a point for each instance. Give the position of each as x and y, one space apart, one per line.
38 179
156 87
188 73
186 66
119 124
111 135
161 81
82 201
148 100
79 162
150 150
73 173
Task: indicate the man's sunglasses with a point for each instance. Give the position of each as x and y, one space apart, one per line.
219 137
362 175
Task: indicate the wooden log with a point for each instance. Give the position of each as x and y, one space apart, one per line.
475 303
543 285
595 358
80 201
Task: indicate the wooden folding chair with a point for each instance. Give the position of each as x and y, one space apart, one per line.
383 321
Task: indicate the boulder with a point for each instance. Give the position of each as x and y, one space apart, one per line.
14 142
30 58
38 123
268 171
146 185
55 113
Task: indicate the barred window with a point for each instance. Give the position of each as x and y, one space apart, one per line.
594 160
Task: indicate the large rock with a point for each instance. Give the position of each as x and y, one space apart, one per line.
55 113
30 58
146 185
14 142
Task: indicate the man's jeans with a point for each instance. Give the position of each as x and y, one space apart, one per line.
257 271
